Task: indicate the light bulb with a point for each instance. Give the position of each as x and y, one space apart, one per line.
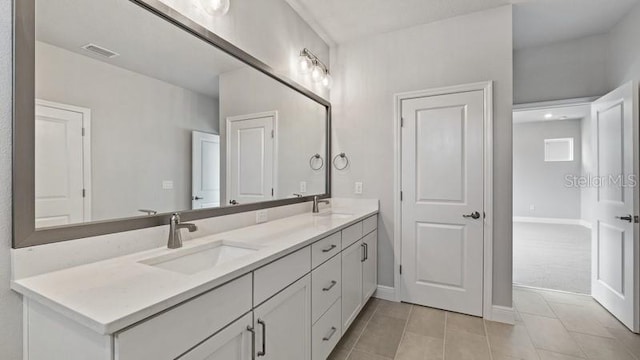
317 74
305 64
215 7
327 81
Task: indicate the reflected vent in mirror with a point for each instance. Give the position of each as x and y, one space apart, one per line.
99 50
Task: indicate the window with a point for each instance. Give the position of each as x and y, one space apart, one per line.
558 149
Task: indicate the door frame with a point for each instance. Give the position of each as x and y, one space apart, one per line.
274 176
506 314
86 150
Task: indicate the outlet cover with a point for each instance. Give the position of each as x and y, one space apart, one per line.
261 216
303 187
167 185
532 208
358 188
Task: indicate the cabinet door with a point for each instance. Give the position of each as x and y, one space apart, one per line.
283 324
231 343
370 266
352 259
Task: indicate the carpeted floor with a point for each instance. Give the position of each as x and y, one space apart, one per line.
552 256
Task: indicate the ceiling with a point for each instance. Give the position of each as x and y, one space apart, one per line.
154 48
536 22
570 112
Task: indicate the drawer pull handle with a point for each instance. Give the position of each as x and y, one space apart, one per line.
253 341
366 251
364 255
263 352
330 334
333 283
329 248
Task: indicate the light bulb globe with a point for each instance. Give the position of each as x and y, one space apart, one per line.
327 81
215 7
305 64
317 74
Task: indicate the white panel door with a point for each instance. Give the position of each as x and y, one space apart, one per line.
443 201
232 343
283 324
59 165
251 151
206 170
614 280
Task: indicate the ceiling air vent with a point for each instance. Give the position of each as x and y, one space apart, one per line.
99 50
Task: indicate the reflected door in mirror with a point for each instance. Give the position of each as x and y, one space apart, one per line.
206 170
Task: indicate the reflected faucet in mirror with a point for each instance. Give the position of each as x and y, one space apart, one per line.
175 236
148 212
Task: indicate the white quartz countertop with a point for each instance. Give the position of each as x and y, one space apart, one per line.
107 296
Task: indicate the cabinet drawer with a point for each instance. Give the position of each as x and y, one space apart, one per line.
369 224
326 283
326 333
175 331
324 249
351 234
270 279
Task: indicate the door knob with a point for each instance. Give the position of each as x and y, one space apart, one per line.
627 218
197 198
233 202
473 215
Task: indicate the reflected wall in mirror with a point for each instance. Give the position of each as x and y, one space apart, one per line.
135 116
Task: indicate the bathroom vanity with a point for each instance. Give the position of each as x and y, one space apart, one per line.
286 289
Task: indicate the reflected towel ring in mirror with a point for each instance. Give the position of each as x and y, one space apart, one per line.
344 158
314 159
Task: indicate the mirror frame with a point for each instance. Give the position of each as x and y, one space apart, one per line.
23 177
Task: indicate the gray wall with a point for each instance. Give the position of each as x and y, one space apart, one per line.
10 302
624 51
368 72
301 128
563 70
285 31
140 130
540 183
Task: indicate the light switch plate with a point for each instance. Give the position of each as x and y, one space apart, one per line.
358 188
303 187
261 216
167 185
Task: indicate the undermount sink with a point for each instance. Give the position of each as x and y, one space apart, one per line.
200 258
335 215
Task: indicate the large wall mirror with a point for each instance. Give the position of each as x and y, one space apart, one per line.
127 112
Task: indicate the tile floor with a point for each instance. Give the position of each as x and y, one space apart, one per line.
549 326
552 256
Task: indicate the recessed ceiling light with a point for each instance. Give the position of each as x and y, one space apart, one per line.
548 116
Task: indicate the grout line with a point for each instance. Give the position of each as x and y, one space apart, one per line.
404 331
363 329
444 337
486 334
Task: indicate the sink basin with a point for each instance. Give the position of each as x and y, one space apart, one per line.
335 215
201 258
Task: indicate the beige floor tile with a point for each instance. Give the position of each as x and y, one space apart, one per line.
600 348
604 317
549 334
419 347
426 321
579 318
369 309
349 339
466 346
565 298
360 355
510 341
394 309
548 355
529 302
381 336
338 354
630 340
504 357
465 323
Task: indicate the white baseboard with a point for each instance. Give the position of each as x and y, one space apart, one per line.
385 293
540 220
502 314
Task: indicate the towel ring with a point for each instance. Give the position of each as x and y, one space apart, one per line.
311 161
344 157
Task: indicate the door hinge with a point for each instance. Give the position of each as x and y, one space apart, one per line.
636 219
401 122
272 134
83 132
271 191
84 193
400 269
401 196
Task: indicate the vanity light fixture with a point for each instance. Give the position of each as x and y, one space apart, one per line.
309 62
215 7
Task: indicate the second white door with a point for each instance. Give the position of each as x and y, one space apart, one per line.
443 201
205 159
251 158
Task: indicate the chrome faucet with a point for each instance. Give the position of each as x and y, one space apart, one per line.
175 236
315 204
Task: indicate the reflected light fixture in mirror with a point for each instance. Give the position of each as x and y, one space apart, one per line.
319 71
215 7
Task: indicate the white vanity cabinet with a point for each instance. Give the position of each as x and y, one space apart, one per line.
370 265
283 324
352 258
235 342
